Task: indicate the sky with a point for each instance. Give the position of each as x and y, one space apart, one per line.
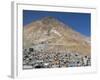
80 22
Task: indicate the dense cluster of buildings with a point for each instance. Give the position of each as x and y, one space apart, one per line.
53 59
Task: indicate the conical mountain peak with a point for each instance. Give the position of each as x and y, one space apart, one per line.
50 43
51 31
48 20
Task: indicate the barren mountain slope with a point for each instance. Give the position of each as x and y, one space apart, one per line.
56 35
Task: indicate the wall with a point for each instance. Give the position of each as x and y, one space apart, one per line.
5 39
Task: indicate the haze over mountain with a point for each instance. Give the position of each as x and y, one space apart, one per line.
56 35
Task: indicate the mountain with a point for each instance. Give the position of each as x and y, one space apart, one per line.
51 34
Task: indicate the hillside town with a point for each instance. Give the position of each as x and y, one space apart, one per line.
49 43
33 58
